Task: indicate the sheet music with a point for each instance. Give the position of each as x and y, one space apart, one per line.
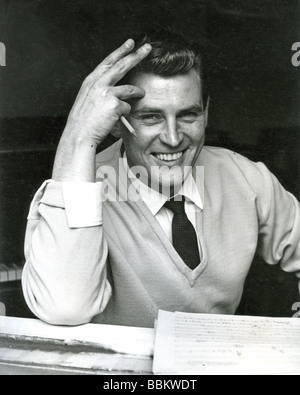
220 344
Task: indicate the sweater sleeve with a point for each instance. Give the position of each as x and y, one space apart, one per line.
279 227
64 278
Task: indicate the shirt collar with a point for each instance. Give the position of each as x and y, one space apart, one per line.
155 200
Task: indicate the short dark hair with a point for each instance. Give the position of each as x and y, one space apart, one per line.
172 54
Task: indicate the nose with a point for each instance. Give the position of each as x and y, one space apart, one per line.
171 135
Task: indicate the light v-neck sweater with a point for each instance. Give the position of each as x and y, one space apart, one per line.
122 270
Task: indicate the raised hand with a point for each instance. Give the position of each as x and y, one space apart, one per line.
98 107
100 104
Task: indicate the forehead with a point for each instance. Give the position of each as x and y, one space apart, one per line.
180 90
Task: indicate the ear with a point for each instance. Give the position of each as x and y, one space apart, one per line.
206 112
117 130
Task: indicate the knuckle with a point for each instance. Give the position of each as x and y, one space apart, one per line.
130 89
90 79
108 62
86 82
121 66
105 92
90 83
114 103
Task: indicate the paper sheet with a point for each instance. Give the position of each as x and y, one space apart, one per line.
221 344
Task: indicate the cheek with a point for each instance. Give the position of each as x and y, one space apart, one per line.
196 133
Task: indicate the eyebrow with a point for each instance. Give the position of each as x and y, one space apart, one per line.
194 108
147 110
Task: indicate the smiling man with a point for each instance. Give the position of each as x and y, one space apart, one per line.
170 120
174 237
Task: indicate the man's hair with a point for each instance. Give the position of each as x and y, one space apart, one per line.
172 54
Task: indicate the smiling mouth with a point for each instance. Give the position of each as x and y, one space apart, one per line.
168 157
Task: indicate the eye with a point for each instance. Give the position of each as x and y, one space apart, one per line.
190 116
150 118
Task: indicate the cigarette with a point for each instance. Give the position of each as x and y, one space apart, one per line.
128 126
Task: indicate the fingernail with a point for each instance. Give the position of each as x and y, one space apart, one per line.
147 47
129 43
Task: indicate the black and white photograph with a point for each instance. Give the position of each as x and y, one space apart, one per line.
149 190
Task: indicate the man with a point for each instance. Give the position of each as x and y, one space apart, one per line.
96 256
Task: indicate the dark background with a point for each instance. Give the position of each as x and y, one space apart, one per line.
52 45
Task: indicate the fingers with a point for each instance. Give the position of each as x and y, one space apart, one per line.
126 92
124 65
118 63
114 57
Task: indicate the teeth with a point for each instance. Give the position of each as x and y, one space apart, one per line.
169 157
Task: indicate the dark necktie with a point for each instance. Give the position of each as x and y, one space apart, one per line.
184 235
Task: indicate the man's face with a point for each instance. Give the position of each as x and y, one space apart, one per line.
170 123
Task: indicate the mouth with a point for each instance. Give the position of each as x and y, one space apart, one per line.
169 158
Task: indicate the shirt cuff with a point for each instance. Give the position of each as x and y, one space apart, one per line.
83 203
